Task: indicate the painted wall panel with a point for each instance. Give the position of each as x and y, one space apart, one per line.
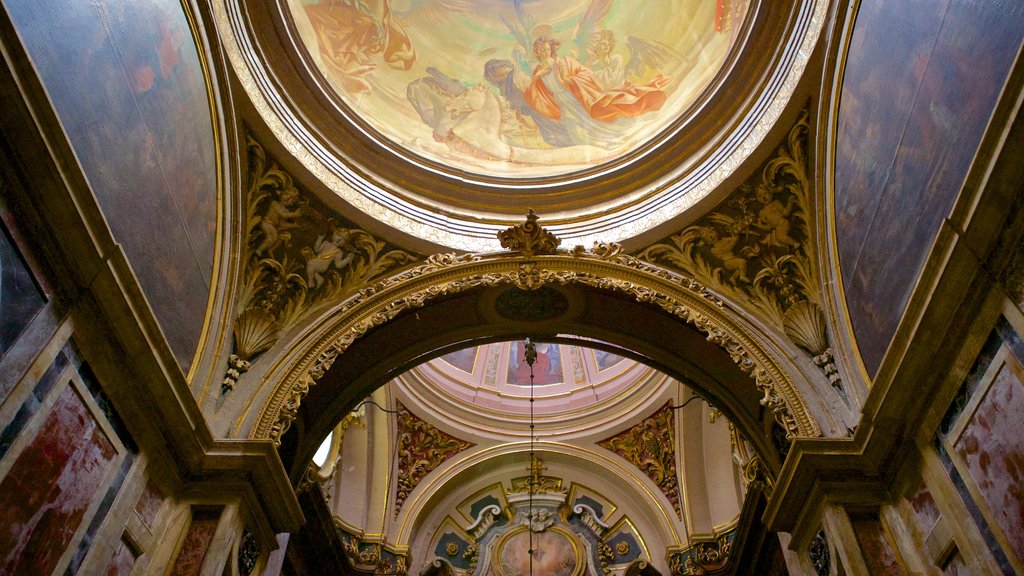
127 84
990 447
921 80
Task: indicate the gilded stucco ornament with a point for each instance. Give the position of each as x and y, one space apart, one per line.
756 250
299 256
529 238
370 557
421 448
651 447
704 557
604 267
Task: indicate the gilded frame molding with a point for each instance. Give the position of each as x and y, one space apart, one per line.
604 267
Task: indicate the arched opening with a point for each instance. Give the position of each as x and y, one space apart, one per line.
642 331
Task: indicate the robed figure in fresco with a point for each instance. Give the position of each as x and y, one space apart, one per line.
557 77
351 33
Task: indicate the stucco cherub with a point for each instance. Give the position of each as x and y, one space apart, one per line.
773 219
282 215
333 249
723 248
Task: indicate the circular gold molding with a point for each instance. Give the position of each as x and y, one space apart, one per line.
668 178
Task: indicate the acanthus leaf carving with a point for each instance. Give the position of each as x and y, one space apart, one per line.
651 447
421 449
779 395
299 256
755 249
529 238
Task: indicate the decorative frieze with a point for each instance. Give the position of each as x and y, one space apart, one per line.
603 267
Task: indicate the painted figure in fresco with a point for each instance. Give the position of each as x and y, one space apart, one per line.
554 72
352 33
430 95
334 250
563 89
773 218
501 73
282 214
595 109
478 123
609 68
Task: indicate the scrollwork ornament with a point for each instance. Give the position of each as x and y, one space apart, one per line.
651 447
529 238
248 553
421 449
443 275
819 555
756 248
299 256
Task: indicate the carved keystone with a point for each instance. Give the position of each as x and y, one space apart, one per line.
529 238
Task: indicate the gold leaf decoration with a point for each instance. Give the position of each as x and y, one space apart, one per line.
755 249
421 449
651 447
529 238
299 256
446 274
255 331
804 323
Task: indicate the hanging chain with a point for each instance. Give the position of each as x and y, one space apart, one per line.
530 352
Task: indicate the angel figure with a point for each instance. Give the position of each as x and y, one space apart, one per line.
773 219
284 210
567 89
352 33
334 250
724 249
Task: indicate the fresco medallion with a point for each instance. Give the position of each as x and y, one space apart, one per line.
520 88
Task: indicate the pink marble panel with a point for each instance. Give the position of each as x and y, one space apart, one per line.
43 499
991 447
149 504
197 542
878 552
925 509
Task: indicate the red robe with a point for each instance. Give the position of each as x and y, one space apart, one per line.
626 101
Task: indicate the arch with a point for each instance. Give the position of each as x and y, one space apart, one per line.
385 328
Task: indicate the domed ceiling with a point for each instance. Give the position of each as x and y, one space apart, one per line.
518 89
448 119
575 388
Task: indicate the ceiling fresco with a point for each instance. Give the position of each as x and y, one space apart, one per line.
520 88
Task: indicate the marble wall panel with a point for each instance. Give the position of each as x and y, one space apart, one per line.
925 509
990 448
122 561
128 87
53 481
921 80
879 554
189 561
149 504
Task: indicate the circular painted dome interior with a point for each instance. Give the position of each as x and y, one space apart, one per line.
520 88
575 387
